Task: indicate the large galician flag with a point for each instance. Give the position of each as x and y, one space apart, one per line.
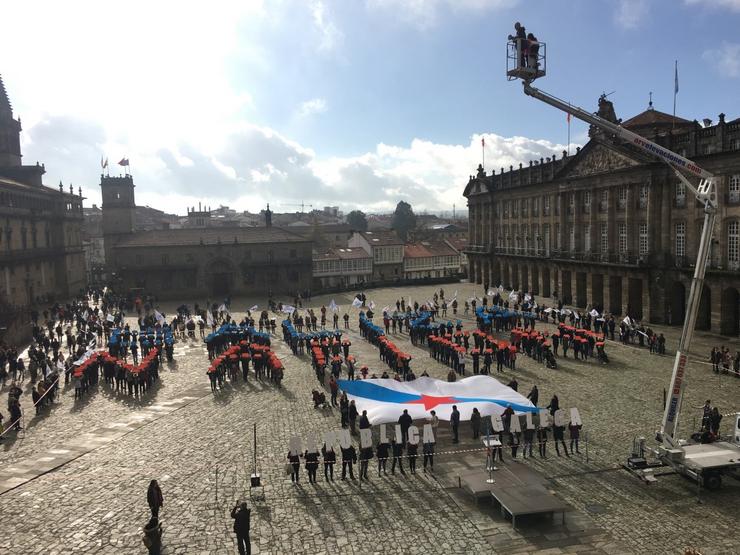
385 399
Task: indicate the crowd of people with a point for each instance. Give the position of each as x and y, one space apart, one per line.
723 361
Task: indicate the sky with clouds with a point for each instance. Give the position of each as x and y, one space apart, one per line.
356 103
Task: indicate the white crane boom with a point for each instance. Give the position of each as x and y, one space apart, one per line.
704 193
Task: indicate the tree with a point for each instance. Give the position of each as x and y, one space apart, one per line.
357 220
404 219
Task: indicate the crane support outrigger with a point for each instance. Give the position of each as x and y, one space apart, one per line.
528 63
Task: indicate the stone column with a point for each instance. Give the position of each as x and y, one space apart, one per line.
607 292
625 293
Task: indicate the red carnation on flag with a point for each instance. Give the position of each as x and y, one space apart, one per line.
123 162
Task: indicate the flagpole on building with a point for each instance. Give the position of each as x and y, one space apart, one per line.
483 151
675 93
568 134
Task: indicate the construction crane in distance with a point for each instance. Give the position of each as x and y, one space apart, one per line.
302 205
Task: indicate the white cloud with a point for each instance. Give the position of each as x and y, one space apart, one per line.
330 37
426 13
630 14
311 107
729 4
725 60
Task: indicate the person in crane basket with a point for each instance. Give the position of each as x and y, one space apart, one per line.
533 50
521 43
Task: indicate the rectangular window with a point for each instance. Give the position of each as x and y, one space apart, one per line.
571 203
546 206
515 209
506 208
572 238
557 236
643 239
165 259
536 239
604 201
680 196
733 245
587 238
535 206
546 238
680 235
604 238
733 188
622 233
643 195
587 202
622 197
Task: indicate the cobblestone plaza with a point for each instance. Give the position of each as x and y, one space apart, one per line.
74 481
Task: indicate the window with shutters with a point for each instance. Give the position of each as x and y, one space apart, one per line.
643 239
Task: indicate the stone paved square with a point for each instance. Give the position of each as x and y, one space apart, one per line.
85 465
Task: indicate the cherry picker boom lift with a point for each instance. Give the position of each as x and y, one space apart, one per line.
704 463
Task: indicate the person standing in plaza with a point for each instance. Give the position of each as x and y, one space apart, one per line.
242 521
154 498
330 458
455 423
405 421
475 420
294 459
428 452
397 449
534 395
434 422
349 458
344 409
312 464
352 415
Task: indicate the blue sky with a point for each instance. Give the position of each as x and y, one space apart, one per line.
359 103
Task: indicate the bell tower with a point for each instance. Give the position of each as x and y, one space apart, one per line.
10 132
119 211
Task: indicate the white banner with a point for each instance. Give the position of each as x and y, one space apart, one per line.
287 309
385 399
158 317
357 303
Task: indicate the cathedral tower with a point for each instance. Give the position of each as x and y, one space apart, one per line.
10 132
119 211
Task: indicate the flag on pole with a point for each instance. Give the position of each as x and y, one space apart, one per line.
209 317
287 309
158 317
594 313
675 80
255 307
371 305
386 309
222 309
103 162
110 318
123 162
333 306
490 293
357 303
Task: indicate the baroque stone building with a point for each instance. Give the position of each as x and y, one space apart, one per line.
195 262
41 253
613 227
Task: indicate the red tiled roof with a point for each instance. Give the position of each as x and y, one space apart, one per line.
426 249
382 238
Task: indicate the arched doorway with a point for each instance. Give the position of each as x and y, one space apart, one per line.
730 317
677 306
704 317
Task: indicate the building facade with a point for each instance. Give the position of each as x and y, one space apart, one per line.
41 255
430 259
386 248
341 267
199 262
612 227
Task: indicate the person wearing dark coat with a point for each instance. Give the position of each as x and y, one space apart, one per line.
294 459
412 450
534 395
383 452
352 415
405 421
455 423
330 458
154 498
349 458
312 464
364 421
366 454
397 454
554 405
242 516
